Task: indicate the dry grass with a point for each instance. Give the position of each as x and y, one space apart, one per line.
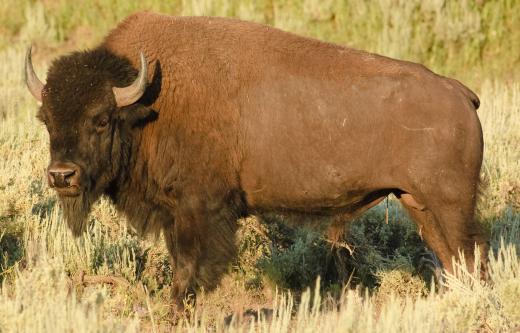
40 263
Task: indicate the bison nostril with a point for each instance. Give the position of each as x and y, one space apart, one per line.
62 178
63 173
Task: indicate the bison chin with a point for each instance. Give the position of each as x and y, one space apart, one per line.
76 210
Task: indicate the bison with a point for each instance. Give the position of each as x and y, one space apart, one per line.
189 123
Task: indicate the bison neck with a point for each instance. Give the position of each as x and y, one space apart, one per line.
134 193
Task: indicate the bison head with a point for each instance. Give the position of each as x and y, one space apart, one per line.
90 106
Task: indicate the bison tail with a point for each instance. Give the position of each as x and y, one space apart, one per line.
474 99
468 93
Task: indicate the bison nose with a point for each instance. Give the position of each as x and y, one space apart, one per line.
63 175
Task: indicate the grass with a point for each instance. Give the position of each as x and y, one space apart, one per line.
53 282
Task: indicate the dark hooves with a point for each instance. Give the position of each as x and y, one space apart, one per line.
249 316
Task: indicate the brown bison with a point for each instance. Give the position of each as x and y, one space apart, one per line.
189 123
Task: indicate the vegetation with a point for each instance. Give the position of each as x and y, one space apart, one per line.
113 280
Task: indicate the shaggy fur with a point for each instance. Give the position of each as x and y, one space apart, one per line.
72 126
241 118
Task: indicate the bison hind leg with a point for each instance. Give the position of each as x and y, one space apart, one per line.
448 227
428 227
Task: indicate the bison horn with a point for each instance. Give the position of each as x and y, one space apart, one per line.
129 95
31 79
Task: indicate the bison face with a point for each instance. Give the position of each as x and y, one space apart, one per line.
90 122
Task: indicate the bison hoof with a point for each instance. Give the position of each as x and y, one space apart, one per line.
249 317
183 304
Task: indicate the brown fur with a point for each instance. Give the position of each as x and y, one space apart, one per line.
242 118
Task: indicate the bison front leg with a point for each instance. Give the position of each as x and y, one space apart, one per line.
202 244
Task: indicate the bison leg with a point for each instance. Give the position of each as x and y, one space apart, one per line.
449 228
463 233
202 243
431 232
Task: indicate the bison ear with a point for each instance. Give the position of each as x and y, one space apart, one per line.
136 115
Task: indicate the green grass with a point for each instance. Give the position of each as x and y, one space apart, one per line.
383 287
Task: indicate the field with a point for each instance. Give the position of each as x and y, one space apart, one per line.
379 279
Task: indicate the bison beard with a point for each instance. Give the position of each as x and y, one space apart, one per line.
76 210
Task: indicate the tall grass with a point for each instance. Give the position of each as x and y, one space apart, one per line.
501 168
53 282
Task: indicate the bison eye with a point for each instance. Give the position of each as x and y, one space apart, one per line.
102 123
